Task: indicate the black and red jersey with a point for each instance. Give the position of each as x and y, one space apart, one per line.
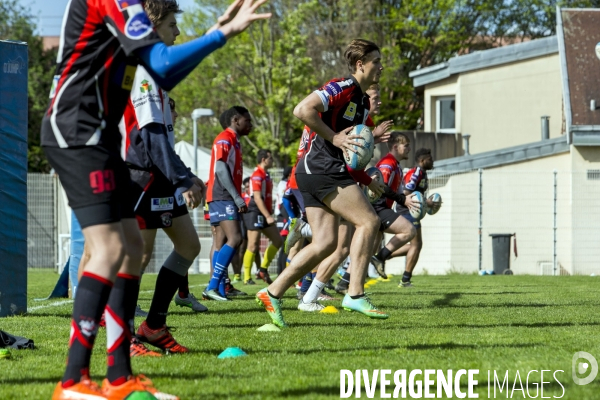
392 176
260 181
416 180
302 148
345 105
95 72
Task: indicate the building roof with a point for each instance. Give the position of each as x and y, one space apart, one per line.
485 59
577 38
509 155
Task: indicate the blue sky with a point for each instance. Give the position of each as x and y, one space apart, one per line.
50 13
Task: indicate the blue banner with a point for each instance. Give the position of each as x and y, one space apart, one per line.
13 181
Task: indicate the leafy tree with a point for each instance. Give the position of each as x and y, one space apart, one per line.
265 69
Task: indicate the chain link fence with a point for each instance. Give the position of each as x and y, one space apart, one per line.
551 213
41 221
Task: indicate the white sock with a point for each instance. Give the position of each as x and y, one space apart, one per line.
313 291
306 232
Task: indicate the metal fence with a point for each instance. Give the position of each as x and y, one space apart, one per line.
41 221
553 215
48 228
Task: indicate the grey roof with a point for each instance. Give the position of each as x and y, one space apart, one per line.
505 156
485 59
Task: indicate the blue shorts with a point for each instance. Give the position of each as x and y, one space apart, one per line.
222 210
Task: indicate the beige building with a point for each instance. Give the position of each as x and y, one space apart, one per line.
543 188
496 96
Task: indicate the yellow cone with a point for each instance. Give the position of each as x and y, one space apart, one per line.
329 310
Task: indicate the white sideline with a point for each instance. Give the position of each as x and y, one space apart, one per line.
63 302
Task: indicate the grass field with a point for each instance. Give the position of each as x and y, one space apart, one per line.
501 323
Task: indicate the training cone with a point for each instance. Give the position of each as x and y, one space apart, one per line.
232 352
269 328
329 310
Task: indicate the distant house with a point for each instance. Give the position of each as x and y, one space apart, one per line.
544 188
496 96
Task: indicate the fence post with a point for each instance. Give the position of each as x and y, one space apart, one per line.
480 215
554 224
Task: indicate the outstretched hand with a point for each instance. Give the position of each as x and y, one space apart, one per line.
382 132
244 14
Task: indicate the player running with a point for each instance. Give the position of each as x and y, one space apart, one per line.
328 190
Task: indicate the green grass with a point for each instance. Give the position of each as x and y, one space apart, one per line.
447 322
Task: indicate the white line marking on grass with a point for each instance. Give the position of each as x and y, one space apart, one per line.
55 304
63 302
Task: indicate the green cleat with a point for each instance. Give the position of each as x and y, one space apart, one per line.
190 302
273 307
362 305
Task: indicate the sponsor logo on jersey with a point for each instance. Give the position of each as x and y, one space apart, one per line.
128 77
145 86
54 85
333 89
138 25
161 204
123 4
167 219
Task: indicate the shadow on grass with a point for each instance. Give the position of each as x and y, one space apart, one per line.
448 298
460 346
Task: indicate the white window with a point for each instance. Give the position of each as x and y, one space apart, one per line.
445 115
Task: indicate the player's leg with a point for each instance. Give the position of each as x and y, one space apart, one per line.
272 233
352 205
324 243
412 257
403 231
187 245
229 232
327 269
120 310
252 249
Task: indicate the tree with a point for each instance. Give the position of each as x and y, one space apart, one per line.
265 69
18 24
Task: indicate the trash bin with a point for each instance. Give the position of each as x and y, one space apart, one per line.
501 252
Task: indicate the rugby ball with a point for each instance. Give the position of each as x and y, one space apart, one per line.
436 198
363 155
421 211
374 173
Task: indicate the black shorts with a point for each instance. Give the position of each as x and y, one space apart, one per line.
388 216
96 181
315 188
157 201
255 221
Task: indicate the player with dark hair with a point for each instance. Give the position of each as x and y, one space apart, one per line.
259 218
328 189
225 202
101 44
403 228
415 180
